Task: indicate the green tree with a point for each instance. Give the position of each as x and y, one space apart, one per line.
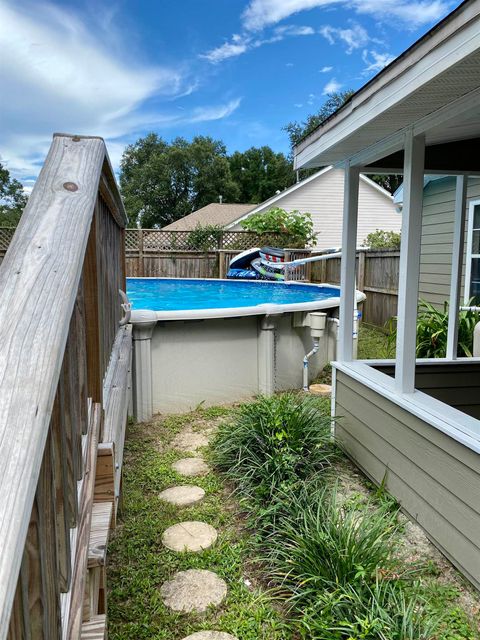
211 173
162 182
260 172
12 199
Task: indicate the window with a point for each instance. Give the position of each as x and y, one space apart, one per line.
472 274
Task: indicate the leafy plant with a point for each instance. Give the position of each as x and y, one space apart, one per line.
380 239
274 443
205 237
299 226
322 544
432 331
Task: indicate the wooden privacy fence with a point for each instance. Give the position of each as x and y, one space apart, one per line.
64 371
377 277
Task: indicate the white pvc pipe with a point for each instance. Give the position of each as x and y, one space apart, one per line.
305 362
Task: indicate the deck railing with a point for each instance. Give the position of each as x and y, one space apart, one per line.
59 315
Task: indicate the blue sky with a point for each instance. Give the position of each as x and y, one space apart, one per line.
237 70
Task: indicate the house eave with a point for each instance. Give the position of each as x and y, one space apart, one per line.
443 68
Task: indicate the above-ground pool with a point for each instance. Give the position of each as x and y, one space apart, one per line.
192 298
215 341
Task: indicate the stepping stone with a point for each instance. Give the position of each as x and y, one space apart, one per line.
193 590
191 467
182 496
321 389
189 536
210 635
189 441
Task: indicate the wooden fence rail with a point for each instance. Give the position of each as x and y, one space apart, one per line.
61 340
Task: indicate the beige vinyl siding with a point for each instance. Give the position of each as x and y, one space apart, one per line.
323 198
437 237
434 477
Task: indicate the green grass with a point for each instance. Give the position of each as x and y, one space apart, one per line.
374 343
139 564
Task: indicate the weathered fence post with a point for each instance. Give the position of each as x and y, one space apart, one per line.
361 271
141 257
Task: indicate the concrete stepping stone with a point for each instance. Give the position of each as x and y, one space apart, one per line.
189 536
189 441
191 467
193 590
182 496
324 390
210 635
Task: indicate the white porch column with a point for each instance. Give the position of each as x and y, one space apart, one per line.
457 264
347 273
409 262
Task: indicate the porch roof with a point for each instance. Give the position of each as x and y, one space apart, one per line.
434 88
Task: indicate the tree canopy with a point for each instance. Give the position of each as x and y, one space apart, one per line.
260 172
12 199
162 182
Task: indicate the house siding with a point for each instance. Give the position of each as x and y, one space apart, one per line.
437 237
323 198
434 477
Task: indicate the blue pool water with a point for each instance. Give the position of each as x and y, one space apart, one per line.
160 294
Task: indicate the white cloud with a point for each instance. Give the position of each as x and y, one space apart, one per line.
293 30
240 43
375 61
298 105
59 76
289 64
331 87
225 51
325 69
354 37
263 13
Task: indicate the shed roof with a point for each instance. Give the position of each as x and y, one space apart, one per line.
214 213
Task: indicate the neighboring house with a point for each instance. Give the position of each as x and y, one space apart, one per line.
437 237
222 214
321 194
414 425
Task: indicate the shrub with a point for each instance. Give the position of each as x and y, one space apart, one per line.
205 237
380 239
299 226
274 443
323 544
432 331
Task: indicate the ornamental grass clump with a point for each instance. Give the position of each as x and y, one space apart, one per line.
322 544
387 610
273 444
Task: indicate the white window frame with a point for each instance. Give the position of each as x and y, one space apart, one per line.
470 255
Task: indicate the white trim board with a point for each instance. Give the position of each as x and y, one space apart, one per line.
455 424
470 255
